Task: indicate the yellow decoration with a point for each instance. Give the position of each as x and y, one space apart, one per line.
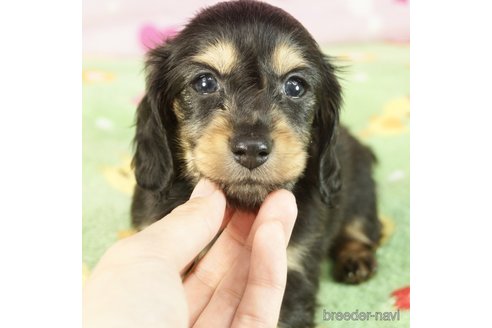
357 57
121 177
388 228
95 76
393 120
126 233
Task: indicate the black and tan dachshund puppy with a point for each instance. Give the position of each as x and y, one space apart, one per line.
244 97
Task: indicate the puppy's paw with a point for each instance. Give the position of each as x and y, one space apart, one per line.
354 264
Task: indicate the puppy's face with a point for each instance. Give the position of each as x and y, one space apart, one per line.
244 117
242 85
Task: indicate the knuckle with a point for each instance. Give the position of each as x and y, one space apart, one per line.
229 295
275 285
208 277
251 319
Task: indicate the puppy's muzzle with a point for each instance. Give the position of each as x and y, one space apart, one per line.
251 151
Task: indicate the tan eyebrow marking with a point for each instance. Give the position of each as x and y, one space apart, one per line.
221 56
286 58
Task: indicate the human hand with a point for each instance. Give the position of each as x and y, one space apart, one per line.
240 282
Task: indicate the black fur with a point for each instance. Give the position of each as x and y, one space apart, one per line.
335 189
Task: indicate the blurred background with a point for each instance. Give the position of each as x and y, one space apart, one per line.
369 38
128 27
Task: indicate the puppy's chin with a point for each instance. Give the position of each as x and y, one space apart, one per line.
249 196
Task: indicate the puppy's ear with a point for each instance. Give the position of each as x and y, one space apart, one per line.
153 159
326 124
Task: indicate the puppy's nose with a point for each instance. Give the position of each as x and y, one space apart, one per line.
250 151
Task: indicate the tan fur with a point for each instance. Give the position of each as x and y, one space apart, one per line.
178 111
286 57
288 159
355 231
186 134
212 155
295 254
213 159
221 55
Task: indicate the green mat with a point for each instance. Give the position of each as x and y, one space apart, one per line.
376 93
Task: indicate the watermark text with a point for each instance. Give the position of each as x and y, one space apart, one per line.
361 315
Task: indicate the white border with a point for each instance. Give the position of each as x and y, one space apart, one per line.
40 165
451 61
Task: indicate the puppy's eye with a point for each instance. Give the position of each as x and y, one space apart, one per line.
205 84
294 87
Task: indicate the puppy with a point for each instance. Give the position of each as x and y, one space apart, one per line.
244 97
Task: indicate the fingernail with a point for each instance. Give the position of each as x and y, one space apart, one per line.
204 188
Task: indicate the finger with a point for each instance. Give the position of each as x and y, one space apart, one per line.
278 206
260 304
187 230
225 299
202 281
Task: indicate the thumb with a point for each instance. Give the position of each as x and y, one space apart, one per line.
187 230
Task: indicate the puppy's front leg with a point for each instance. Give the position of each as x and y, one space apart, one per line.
299 301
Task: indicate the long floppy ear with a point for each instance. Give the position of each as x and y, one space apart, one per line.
326 123
153 159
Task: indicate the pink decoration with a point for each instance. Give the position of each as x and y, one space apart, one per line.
150 36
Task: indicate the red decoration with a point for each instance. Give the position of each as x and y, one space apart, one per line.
402 298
